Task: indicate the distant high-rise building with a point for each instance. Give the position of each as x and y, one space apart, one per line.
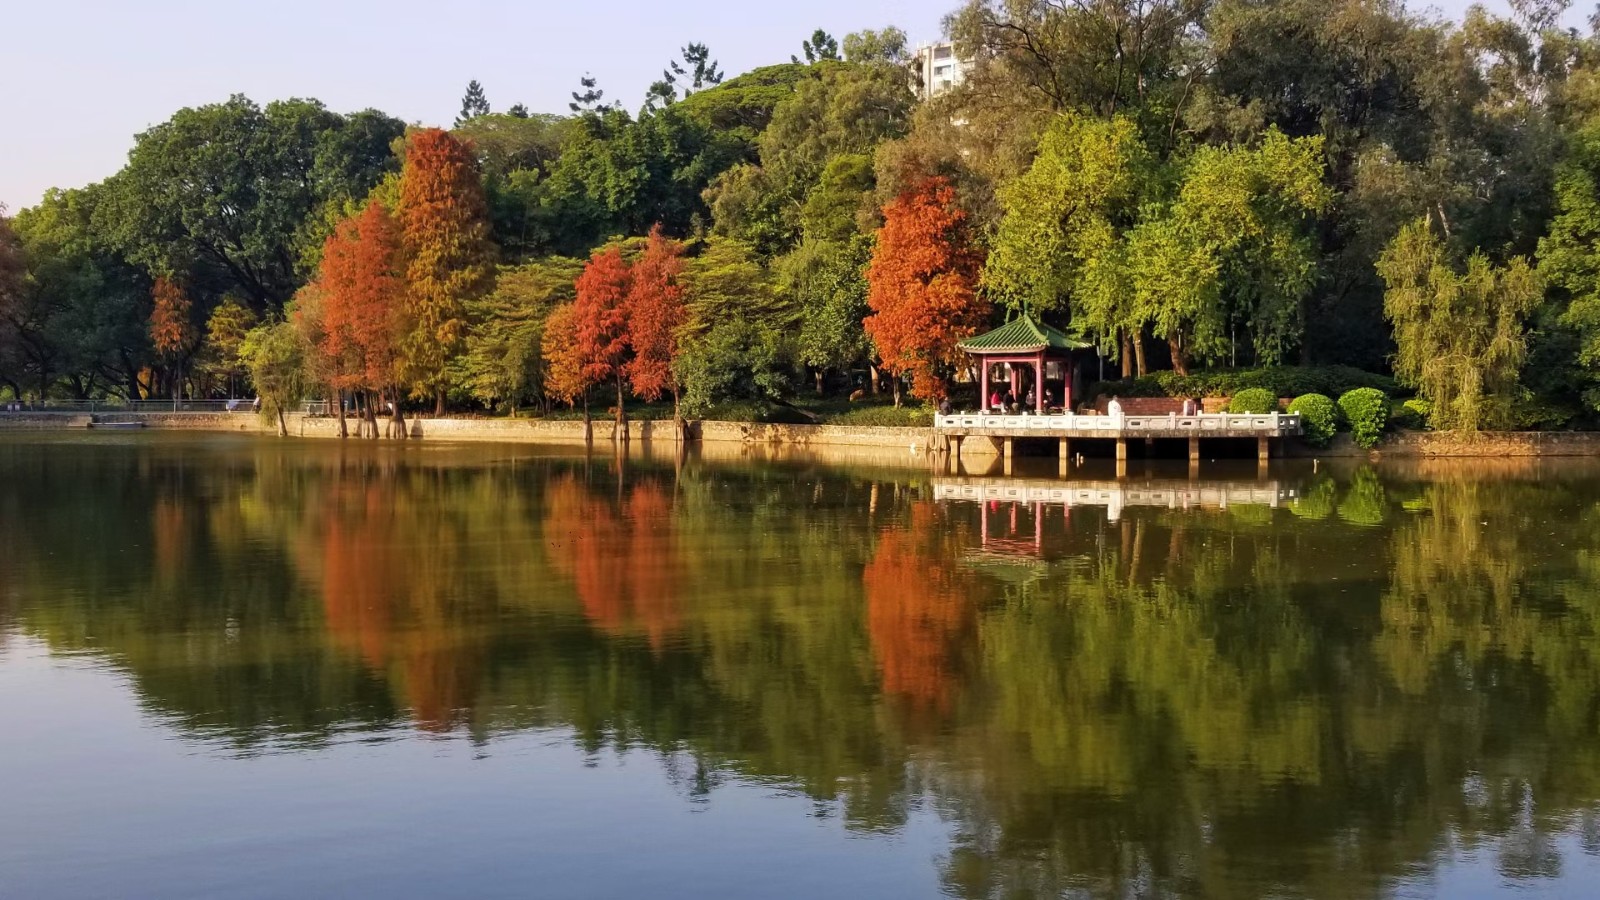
938 68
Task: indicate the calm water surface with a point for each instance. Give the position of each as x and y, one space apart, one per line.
241 668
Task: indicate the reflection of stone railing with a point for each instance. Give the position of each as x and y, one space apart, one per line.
1170 425
1114 495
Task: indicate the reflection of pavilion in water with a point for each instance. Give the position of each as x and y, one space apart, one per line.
1006 504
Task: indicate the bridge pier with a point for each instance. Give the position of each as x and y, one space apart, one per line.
1263 451
1122 457
1194 457
1007 452
1065 455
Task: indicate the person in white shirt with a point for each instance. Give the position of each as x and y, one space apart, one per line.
1114 408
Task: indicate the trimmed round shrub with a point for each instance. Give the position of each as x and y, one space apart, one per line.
1282 381
1412 414
1319 418
1253 401
1367 411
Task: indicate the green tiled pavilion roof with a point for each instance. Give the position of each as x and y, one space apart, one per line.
1021 335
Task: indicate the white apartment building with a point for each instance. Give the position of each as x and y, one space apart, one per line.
938 68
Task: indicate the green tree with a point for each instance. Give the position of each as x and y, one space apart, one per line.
1569 257
503 361
473 104
220 192
819 47
225 334
1460 336
738 343
843 109
275 356
1062 240
826 281
887 45
1233 251
86 301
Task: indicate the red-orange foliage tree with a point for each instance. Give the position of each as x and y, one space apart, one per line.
172 331
921 287
444 222
364 309
601 313
565 376
656 313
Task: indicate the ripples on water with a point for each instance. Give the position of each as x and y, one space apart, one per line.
245 668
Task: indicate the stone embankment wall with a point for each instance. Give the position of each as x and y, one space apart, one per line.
1493 444
524 430
1441 445
906 441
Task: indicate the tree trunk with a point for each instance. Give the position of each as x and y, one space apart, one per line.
1138 353
438 403
397 419
344 430
818 376
872 378
1180 360
283 427
896 382
620 431
370 402
588 426
1126 357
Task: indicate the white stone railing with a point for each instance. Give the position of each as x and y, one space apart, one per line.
1113 494
1205 424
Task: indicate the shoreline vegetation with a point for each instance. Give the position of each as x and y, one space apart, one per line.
1385 219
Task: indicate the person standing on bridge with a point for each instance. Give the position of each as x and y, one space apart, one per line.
1114 408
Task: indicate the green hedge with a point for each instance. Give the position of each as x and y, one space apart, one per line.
1367 411
904 417
1319 418
1280 381
1253 400
1411 414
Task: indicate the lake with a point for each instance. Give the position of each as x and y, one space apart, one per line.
237 667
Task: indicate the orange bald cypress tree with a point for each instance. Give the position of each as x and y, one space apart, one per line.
656 313
565 374
921 285
601 313
364 309
444 224
172 331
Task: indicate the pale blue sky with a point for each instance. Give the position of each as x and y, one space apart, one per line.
83 76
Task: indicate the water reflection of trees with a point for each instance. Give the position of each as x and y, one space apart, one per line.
1309 699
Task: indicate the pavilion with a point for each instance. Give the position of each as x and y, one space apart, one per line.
1023 341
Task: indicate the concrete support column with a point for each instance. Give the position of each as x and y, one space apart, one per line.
1263 451
1194 457
1006 452
1065 456
1122 457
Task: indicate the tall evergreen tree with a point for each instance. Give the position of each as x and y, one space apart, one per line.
473 103
589 99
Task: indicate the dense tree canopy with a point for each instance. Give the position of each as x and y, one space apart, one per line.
1183 183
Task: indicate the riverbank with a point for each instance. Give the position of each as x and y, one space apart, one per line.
906 442
1445 445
